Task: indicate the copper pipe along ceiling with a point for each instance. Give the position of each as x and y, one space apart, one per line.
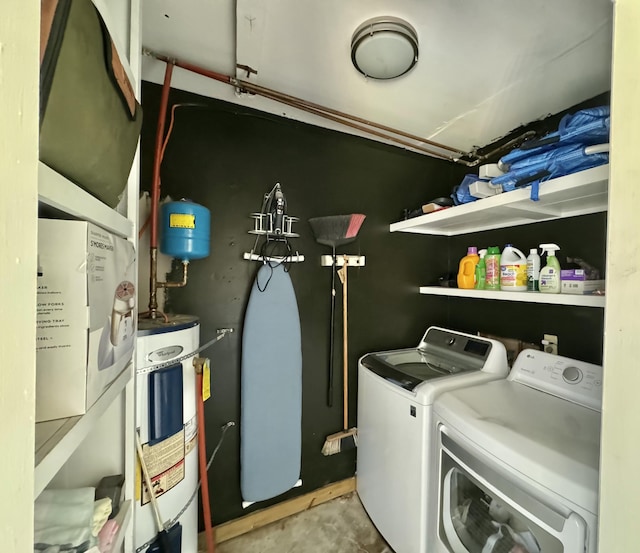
346 119
257 89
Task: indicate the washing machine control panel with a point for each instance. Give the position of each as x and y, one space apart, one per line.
563 377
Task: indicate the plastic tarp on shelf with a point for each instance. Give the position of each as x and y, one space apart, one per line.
579 143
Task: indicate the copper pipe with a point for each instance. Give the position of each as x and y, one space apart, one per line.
263 90
328 113
155 192
181 284
356 126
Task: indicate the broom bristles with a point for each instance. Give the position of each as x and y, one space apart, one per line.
354 225
336 230
340 441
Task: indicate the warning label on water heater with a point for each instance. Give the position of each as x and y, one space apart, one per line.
165 463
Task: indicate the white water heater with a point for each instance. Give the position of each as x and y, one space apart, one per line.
166 420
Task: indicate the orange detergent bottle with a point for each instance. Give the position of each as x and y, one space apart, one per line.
467 269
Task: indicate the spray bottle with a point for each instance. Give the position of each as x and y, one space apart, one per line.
550 274
481 271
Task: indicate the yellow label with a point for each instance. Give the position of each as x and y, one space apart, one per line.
182 220
206 381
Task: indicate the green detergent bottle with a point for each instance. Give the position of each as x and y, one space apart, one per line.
492 268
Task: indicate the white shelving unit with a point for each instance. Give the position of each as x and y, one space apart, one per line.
577 194
78 451
527 297
57 192
57 440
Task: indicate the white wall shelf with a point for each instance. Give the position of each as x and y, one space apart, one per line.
577 194
56 440
60 193
123 518
529 297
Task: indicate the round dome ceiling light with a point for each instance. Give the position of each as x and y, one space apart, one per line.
384 47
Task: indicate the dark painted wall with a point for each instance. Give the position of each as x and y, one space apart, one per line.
579 329
227 158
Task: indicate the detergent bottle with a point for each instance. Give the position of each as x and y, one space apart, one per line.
550 274
467 268
481 271
513 270
533 270
492 268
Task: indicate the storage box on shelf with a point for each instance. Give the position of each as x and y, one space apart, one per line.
57 440
577 194
85 317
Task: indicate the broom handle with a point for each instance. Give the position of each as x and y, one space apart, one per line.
342 273
147 480
332 329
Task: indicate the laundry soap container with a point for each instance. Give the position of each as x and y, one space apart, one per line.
492 268
513 270
467 269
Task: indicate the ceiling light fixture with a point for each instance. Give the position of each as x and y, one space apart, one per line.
384 47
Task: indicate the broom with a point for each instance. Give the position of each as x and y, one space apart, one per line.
334 231
347 438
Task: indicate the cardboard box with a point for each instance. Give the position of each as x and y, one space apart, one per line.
573 274
581 287
86 323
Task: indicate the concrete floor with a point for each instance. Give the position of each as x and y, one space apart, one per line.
337 526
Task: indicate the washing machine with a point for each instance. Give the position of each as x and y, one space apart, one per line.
396 390
519 460
166 421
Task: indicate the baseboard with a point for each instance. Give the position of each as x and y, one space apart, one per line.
258 519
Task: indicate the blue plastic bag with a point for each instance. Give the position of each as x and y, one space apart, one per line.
461 194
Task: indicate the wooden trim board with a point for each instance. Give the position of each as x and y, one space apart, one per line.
253 521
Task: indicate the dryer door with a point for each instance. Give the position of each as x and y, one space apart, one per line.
482 511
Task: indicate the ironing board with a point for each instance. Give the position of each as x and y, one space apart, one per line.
271 388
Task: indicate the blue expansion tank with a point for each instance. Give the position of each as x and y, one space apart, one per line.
184 230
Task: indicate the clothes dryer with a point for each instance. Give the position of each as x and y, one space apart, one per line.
519 460
396 390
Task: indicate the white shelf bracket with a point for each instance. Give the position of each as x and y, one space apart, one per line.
352 260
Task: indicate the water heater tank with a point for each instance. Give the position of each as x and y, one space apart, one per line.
184 230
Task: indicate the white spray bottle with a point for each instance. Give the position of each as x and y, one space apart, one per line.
550 274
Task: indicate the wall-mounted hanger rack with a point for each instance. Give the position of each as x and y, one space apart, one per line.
263 225
273 223
251 256
350 260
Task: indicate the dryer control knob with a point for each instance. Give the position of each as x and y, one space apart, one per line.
572 375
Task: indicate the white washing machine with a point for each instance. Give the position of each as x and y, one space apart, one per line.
396 390
166 419
519 460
